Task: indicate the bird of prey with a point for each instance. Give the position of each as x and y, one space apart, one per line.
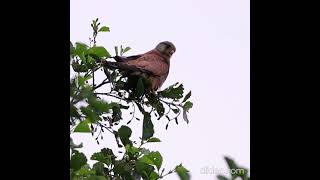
155 64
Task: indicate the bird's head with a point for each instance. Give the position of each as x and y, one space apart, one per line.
166 48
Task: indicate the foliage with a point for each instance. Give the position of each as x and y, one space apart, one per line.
98 108
235 171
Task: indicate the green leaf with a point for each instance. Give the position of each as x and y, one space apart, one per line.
99 51
188 105
153 158
97 178
90 60
182 172
220 177
86 171
242 172
116 113
126 49
132 151
155 102
82 80
80 48
146 159
107 152
77 160
104 29
235 170
83 57
143 169
99 105
144 151
83 127
185 116
153 176
119 84
147 131
187 97
139 91
85 92
122 168
79 67
154 139
156 158
90 114
74 111
231 163
124 133
173 92
160 108
99 167
136 175
176 111
102 157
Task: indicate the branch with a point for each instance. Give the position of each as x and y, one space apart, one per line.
170 172
106 127
108 94
92 71
112 132
169 105
101 84
133 113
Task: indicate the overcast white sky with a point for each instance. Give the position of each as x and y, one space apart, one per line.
212 59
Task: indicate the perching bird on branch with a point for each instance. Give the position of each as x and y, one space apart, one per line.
154 65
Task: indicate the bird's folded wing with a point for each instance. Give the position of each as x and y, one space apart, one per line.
152 63
126 68
126 59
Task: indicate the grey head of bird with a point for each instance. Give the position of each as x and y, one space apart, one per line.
166 48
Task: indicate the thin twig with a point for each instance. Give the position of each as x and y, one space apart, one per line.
106 127
108 94
142 143
176 115
171 103
170 172
176 105
133 113
101 84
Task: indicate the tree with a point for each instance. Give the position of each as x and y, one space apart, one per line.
98 107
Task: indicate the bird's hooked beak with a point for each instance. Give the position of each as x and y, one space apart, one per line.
171 52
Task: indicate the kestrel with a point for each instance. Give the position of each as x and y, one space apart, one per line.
156 62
